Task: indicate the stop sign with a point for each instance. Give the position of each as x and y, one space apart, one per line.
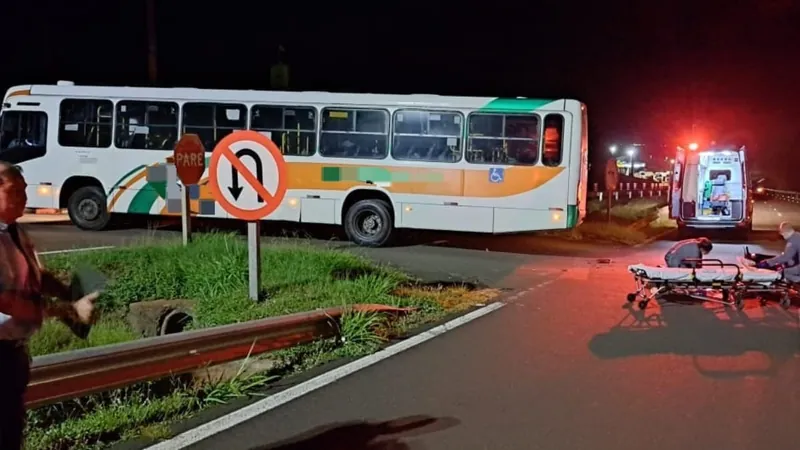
190 159
611 175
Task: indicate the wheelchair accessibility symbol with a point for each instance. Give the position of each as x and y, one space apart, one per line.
496 175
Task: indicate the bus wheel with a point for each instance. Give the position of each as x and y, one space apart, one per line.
368 223
87 208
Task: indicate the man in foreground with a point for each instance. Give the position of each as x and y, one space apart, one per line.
25 289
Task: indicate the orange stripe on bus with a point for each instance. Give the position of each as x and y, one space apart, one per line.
122 188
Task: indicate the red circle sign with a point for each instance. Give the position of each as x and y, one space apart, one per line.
255 144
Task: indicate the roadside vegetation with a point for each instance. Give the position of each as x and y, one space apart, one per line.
212 273
632 222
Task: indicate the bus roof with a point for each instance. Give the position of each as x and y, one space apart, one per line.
68 89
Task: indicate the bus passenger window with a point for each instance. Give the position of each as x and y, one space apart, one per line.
354 133
85 123
213 121
553 142
146 125
503 139
433 136
293 128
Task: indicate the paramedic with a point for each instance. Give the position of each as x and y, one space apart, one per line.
688 249
790 258
23 287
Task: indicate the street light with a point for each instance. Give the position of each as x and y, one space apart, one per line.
631 152
693 146
613 149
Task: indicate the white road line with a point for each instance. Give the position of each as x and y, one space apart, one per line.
74 250
225 422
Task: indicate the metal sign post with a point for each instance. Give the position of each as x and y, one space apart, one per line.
254 259
611 182
249 191
186 215
190 163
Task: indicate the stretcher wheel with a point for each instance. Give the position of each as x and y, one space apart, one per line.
631 298
726 295
643 304
762 301
739 301
786 301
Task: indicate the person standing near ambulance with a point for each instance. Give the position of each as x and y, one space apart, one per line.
25 289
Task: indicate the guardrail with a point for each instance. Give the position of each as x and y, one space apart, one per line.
74 374
788 196
632 190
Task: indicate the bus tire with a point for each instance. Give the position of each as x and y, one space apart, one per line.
88 209
369 223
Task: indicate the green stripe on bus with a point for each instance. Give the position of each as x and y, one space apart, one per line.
123 178
143 201
515 104
572 216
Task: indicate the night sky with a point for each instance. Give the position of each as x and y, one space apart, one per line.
647 70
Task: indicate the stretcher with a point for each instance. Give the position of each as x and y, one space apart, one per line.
713 276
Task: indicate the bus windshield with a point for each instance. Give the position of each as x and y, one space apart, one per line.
23 135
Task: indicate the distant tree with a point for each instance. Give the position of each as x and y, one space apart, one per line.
279 72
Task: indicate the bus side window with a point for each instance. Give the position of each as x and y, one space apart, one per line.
433 136
213 121
146 125
553 142
85 123
354 133
503 139
292 128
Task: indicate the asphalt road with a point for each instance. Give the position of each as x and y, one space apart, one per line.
567 366
562 366
769 214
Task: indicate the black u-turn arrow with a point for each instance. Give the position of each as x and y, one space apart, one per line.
235 189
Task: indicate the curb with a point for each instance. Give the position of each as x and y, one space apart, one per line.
652 239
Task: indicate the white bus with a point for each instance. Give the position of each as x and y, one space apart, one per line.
710 189
370 162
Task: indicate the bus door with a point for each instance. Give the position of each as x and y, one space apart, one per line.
23 141
557 150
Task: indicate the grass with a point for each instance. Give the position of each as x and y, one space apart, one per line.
631 211
212 271
631 223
